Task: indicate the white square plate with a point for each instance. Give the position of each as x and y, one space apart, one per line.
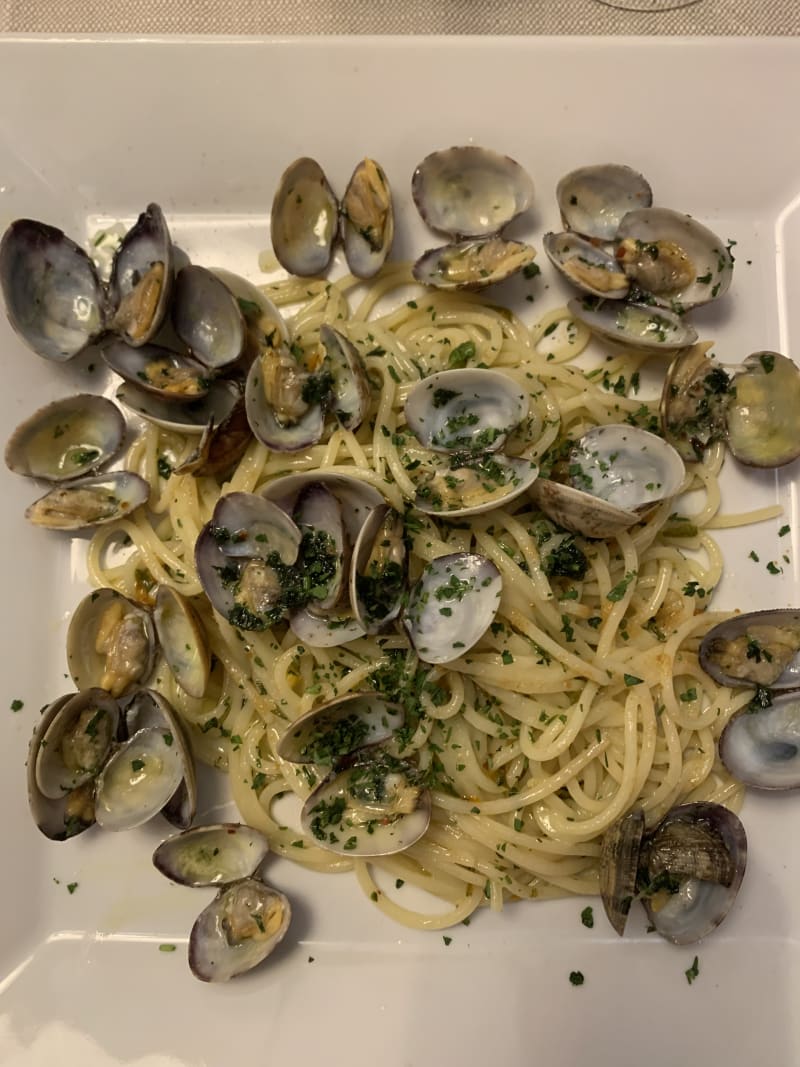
205 127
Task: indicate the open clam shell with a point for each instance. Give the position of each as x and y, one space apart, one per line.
53 295
91 501
190 418
585 266
182 640
469 191
141 278
77 742
67 439
249 526
207 318
694 399
367 219
619 867
221 445
304 219
451 606
593 200
762 748
378 569
698 852
351 393
465 410
616 475
673 257
334 730
211 855
139 780
261 316
635 325
62 817
276 409
375 807
471 483
110 643
335 627
176 378
318 515
757 648
761 415
472 264
238 930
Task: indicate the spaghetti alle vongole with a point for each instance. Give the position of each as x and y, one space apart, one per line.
583 698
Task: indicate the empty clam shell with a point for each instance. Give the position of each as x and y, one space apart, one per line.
762 409
376 807
189 418
674 257
762 747
458 410
587 267
635 325
211 855
336 627
350 388
67 439
141 278
694 399
304 219
471 483
451 605
182 640
756 648
378 569
619 867
53 294
356 496
340 727
221 445
138 781
470 191
260 314
318 515
473 263
593 200
207 318
367 219
91 501
238 930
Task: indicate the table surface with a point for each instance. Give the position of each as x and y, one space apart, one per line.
266 17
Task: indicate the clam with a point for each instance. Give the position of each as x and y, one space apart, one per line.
686 871
188 418
619 865
472 264
90 501
451 605
262 318
468 483
207 317
465 410
593 200
211 855
694 399
248 590
758 648
281 401
139 779
761 414
615 476
350 388
76 743
761 747
67 439
378 569
238 930
182 640
334 730
140 286
367 219
584 265
110 643
53 295
336 627
158 370
67 814
635 325
323 550
377 806
470 191
221 445
674 258
304 219
694 865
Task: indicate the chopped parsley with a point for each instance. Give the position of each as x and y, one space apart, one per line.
619 590
693 971
587 917
17 705
576 978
